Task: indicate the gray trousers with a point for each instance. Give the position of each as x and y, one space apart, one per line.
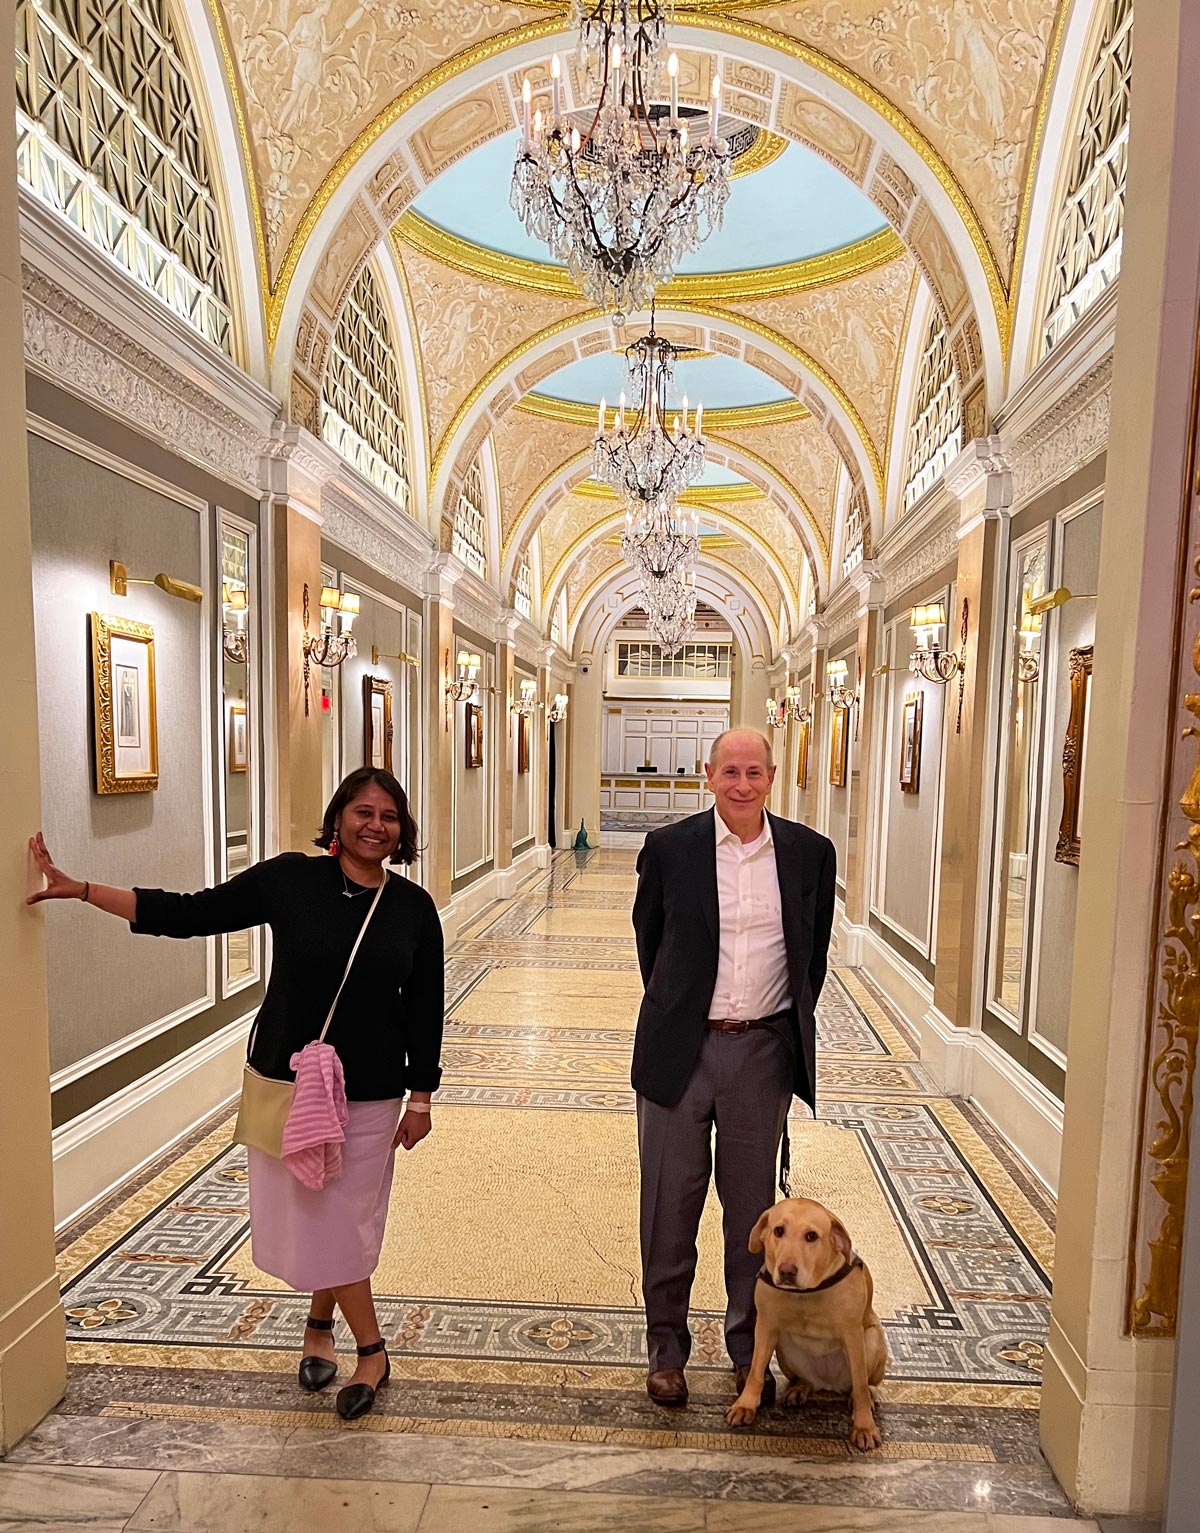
742 1087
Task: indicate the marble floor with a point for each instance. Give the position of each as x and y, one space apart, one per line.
518 1374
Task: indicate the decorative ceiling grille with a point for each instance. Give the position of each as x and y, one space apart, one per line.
524 597
935 436
364 411
469 539
1088 254
108 137
856 519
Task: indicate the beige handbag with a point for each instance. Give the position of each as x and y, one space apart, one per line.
266 1102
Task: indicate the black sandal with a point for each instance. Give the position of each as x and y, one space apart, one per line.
357 1399
317 1373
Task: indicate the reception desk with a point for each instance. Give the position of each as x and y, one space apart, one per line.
651 799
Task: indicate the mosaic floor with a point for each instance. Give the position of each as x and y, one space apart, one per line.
509 1282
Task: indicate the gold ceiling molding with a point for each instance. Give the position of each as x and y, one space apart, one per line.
771 472
1049 78
410 315
810 364
802 276
546 27
256 217
697 495
764 151
727 317
569 412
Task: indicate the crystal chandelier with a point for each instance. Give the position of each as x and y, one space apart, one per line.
649 455
659 542
670 604
624 192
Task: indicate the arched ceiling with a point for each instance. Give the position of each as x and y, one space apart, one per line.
895 145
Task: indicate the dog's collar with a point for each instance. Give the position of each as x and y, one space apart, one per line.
851 1266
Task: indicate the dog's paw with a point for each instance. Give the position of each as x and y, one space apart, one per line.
739 1415
865 1435
796 1393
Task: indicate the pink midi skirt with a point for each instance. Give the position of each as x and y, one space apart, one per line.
326 1239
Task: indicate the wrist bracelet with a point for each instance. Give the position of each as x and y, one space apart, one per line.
87 889
417 1107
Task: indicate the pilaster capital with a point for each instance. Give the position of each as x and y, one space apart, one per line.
867 580
442 576
296 468
509 627
546 654
980 479
815 633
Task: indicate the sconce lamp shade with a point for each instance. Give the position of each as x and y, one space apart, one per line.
351 604
932 615
234 600
331 598
837 672
463 660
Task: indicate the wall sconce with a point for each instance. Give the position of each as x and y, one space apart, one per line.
119 580
929 660
1057 598
465 689
524 705
234 638
557 710
839 694
1029 656
376 657
332 646
801 712
777 714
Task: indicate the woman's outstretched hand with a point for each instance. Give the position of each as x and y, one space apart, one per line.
58 885
413 1128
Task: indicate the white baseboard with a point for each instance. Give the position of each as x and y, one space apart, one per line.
113 1140
1025 1113
499 884
964 1063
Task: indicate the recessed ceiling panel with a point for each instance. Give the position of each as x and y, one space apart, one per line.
718 383
796 206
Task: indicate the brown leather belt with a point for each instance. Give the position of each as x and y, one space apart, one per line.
732 1025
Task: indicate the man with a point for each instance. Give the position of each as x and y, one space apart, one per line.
733 914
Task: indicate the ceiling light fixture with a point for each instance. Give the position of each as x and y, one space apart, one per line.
623 192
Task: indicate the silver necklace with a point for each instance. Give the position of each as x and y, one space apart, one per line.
350 894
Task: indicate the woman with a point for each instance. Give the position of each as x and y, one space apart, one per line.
387 1031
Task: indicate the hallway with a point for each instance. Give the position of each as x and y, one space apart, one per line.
511 1296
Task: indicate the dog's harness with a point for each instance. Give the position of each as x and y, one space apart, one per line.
852 1265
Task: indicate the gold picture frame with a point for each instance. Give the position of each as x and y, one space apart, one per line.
1074 753
910 743
839 737
125 705
239 745
474 735
377 722
805 728
523 734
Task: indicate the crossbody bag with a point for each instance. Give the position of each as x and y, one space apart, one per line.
265 1102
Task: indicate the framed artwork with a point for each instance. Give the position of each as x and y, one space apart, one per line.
238 751
1074 754
523 728
377 722
474 734
910 744
125 722
802 754
838 742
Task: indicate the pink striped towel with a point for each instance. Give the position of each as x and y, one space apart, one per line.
315 1129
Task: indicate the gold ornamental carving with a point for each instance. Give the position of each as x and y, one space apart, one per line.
1162 1194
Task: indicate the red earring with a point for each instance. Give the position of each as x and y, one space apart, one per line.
335 846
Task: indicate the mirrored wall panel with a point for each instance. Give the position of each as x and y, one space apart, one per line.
1018 763
239 721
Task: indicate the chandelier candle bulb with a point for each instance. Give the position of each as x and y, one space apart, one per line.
556 77
600 418
527 100
673 71
537 123
716 107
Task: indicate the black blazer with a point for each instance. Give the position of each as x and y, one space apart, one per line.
676 919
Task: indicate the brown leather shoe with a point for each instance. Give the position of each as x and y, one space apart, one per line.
740 1375
667 1386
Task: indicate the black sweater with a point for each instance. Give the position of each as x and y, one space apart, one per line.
388 1025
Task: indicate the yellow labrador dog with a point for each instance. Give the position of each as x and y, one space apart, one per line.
813 1298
